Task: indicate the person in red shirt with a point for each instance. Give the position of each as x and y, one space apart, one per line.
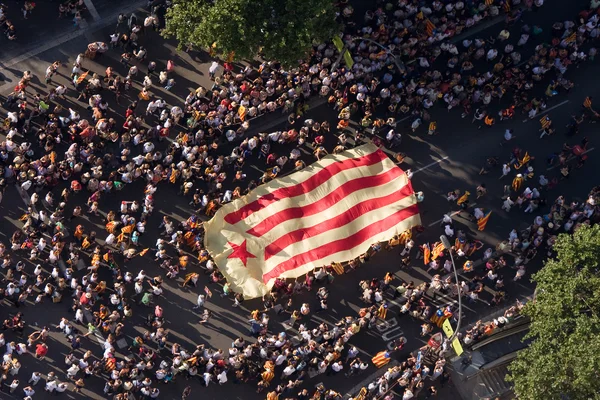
41 350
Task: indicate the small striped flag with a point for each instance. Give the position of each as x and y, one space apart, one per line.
426 254
437 250
381 359
571 38
128 229
463 198
338 268
242 113
489 2
382 311
546 122
482 222
82 77
429 27
587 103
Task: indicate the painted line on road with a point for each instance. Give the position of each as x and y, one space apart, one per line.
431 164
365 382
61 39
547 110
92 9
452 215
571 158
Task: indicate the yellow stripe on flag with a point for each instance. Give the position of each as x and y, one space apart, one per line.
482 222
242 113
381 359
260 237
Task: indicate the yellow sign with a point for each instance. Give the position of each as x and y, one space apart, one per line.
457 347
337 42
348 59
447 328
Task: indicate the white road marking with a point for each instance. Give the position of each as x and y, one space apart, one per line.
431 164
452 215
547 110
571 158
61 39
92 9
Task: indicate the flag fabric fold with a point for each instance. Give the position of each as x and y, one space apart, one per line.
482 222
330 212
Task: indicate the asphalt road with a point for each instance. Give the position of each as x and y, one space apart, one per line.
448 161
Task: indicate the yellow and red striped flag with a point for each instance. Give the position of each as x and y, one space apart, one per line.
429 27
331 211
426 254
338 268
571 38
463 198
381 359
437 250
242 113
128 229
482 222
82 77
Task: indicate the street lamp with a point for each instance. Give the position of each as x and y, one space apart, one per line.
448 247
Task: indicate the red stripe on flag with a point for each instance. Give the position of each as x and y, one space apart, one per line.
307 186
337 221
344 244
346 189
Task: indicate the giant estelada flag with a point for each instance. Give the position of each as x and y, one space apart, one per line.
332 210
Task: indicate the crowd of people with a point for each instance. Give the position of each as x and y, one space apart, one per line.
53 153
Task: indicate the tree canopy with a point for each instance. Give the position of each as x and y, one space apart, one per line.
564 359
281 30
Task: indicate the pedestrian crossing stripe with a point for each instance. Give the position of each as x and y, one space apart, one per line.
546 122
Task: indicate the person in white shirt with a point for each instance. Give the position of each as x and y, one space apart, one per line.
35 378
287 371
207 378
50 386
337 367
222 377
